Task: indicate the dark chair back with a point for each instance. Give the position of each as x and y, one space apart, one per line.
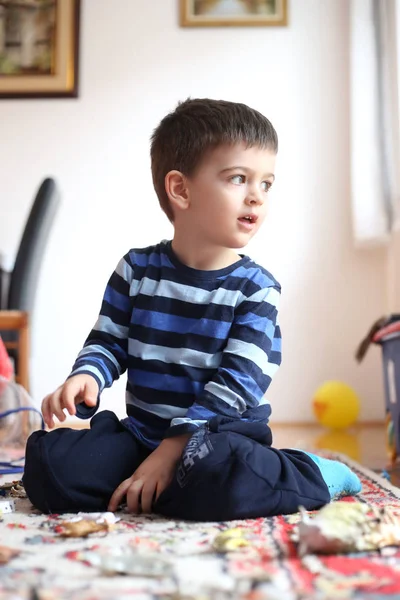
25 274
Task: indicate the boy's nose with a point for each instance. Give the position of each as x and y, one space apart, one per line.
254 196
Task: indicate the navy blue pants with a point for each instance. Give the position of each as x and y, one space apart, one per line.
228 471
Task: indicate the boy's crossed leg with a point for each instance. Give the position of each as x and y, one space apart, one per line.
225 474
228 471
70 470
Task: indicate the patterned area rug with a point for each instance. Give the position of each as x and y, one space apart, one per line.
153 558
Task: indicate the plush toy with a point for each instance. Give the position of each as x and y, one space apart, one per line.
336 405
6 366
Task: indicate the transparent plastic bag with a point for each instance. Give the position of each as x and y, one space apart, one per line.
18 419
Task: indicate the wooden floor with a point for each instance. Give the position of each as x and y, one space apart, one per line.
364 443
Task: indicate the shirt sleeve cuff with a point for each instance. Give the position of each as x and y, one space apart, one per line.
83 411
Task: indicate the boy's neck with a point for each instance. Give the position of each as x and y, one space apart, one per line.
202 257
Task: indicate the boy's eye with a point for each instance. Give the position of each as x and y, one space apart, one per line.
238 179
266 185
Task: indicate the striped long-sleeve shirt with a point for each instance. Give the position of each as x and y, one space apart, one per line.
194 343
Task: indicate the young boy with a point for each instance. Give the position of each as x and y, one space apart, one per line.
195 325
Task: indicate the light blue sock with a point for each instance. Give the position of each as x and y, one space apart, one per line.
341 481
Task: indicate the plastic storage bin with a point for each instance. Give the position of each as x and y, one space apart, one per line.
389 339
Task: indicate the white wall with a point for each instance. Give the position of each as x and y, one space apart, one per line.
393 262
136 63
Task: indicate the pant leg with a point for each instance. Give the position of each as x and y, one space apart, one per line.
226 475
69 470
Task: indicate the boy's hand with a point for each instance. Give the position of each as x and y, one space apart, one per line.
77 389
151 478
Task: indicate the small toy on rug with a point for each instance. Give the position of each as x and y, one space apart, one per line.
7 485
229 540
83 524
343 527
15 489
81 528
7 506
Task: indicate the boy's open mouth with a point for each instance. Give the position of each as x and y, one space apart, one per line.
248 219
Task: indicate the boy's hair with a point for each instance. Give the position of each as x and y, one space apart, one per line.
197 126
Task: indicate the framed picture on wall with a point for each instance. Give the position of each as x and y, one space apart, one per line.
208 13
39 48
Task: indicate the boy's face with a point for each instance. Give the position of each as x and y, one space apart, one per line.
228 194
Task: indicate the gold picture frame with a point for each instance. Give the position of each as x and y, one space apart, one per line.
233 13
39 48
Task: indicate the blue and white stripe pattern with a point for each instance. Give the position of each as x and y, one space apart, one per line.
195 343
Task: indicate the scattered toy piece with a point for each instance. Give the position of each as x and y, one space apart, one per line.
7 506
10 484
83 524
18 491
81 528
342 527
230 540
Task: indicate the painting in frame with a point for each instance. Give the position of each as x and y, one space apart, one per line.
39 48
208 13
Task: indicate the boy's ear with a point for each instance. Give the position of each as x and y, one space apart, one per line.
175 186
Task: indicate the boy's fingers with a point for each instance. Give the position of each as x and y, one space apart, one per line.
72 392
47 416
57 407
133 496
90 401
147 497
45 410
119 493
51 407
161 486
68 394
90 394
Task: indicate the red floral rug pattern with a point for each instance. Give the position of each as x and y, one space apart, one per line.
175 560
